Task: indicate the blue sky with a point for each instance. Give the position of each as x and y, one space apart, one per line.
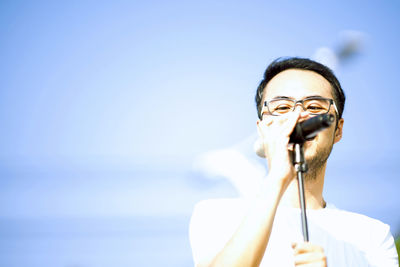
131 90
102 79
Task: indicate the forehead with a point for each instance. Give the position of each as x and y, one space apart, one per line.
297 84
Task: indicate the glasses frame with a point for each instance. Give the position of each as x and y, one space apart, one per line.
331 102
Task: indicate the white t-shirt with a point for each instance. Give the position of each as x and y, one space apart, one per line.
348 239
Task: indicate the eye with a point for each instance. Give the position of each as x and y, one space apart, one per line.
283 108
316 107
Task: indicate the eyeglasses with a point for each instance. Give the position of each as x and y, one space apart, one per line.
312 105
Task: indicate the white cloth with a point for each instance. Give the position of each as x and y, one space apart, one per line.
348 239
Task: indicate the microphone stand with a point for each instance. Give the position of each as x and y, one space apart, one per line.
300 166
304 131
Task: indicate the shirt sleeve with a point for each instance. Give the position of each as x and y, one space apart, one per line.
385 254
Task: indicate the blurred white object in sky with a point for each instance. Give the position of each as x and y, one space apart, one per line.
351 44
326 56
233 164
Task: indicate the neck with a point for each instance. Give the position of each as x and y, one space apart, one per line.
313 189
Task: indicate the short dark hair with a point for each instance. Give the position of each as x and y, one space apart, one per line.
282 64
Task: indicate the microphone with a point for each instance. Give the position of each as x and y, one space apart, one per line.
308 129
303 131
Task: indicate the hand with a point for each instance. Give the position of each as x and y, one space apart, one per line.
275 134
310 255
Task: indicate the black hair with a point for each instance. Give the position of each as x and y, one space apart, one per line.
282 64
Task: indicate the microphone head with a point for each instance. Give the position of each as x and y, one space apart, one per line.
308 129
304 131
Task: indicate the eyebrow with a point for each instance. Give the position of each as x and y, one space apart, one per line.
281 96
286 97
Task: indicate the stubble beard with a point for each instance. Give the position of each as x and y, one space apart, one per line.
317 162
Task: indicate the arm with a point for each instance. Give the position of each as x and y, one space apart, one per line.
247 245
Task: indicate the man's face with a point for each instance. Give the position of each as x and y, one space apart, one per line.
299 84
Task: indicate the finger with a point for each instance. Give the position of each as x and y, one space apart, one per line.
262 124
313 265
290 123
311 257
268 120
307 247
290 147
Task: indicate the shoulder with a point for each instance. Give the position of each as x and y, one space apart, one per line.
356 225
370 235
356 220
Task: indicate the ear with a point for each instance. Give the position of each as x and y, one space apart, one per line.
339 131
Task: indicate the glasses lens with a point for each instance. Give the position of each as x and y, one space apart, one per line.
280 106
316 105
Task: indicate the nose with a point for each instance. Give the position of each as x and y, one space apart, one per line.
298 106
303 114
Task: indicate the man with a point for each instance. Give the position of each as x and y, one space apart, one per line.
266 230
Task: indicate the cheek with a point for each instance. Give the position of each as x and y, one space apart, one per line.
323 139
331 136
326 140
